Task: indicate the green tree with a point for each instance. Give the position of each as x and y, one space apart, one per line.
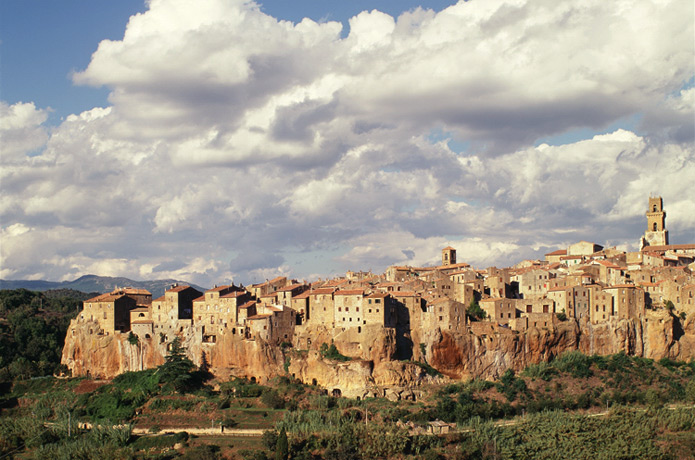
282 448
475 313
562 316
177 370
132 339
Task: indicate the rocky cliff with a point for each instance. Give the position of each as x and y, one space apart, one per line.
374 369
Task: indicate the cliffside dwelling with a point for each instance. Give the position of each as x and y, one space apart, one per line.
584 282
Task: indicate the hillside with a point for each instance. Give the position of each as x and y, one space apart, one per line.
95 283
577 406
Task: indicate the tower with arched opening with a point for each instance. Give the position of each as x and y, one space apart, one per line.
656 233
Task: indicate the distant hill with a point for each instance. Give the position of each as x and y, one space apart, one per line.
94 283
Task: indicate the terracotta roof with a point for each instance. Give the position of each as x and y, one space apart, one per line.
178 288
261 316
277 279
379 295
559 252
321 291
350 292
108 297
403 293
273 308
668 247
615 286
448 248
218 289
291 287
199 299
301 296
160 299
133 291
336 282
233 295
248 304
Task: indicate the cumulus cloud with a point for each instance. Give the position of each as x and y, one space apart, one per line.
234 141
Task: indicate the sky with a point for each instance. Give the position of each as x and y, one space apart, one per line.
225 140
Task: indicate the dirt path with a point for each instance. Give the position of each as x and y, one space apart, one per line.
250 432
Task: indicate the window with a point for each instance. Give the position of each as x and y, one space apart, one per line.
377 300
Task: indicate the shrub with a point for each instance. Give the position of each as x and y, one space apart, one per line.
332 353
272 399
575 363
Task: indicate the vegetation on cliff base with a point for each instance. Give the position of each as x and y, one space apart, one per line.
321 426
331 352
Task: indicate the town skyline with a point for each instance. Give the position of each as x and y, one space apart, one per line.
366 136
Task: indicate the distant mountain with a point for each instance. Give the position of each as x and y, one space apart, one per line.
94 283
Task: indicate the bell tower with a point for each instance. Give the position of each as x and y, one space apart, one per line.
448 256
656 234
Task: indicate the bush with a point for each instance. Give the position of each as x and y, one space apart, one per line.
272 399
575 363
332 353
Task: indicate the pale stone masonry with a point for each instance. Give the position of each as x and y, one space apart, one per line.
585 282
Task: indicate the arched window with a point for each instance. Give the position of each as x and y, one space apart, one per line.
654 226
654 208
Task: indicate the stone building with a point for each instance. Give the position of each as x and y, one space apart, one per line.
347 305
656 233
111 312
499 310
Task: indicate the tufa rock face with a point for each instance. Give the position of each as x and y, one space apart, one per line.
374 369
488 356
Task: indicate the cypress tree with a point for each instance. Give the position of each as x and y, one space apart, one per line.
282 448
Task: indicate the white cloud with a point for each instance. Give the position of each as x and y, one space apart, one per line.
21 131
235 140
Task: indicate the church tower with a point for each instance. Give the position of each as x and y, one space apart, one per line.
656 234
448 256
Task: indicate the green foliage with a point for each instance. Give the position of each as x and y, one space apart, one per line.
542 370
178 372
270 439
558 435
133 339
427 368
575 363
33 331
510 385
331 352
282 447
474 312
241 388
161 441
272 399
562 316
202 452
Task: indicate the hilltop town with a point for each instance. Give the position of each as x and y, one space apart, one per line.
460 319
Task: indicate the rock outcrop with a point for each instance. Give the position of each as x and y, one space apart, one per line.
374 371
